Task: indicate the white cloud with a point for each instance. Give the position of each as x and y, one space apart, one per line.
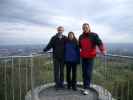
36 20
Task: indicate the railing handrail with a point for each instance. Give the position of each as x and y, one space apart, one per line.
43 53
121 56
4 57
108 54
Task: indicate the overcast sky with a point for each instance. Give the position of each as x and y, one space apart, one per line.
35 21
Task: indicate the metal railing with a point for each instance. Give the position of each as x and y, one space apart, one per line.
15 77
114 73
20 74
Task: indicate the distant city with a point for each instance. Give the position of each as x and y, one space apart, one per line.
20 50
125 49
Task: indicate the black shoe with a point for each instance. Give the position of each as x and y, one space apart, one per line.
62 87
68 87
56 88
74 88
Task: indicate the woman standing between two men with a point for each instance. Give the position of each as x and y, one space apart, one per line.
71 51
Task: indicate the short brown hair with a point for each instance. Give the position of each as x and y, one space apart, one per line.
60 27
87 25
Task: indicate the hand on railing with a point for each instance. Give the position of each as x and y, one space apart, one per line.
103 53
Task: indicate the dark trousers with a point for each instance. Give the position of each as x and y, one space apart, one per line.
87 66
71 68
58 72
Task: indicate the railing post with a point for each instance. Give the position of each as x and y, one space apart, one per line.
26 75
105 66
128 90
12 78
20 90
32 78
5 79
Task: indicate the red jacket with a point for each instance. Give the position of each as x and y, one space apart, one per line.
88 43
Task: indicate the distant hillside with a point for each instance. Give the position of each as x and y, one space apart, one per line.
114 48
120 48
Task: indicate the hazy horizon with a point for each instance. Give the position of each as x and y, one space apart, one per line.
45 43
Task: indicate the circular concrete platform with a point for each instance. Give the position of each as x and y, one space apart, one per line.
52 94
48 92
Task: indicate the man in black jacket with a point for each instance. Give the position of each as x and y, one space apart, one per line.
57 43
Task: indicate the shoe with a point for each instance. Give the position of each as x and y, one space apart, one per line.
62 87
74 88
68 87
85 92
57 88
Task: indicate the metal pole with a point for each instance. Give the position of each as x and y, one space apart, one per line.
20 79
26 76
5 63
13 79
128 90
32 79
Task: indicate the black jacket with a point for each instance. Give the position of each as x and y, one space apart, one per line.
58 46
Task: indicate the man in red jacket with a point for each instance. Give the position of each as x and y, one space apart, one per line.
88 41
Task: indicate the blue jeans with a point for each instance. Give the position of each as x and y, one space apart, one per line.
87 67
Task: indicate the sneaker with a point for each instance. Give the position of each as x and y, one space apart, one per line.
85 92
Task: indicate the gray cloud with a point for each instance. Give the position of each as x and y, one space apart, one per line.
16 11
113 15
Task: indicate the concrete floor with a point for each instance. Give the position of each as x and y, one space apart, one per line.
65 94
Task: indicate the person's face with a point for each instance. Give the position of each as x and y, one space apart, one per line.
60 30
86 28
70 36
